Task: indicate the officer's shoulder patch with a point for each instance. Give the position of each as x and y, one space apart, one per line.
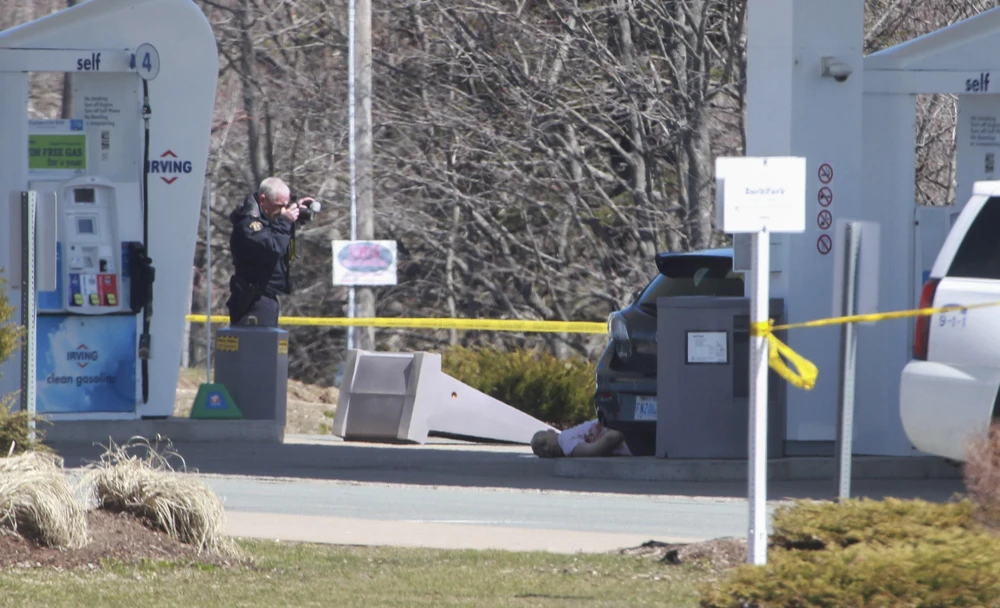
255 226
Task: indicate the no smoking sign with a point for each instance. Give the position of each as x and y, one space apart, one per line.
825 196
824 244
825 173
824 219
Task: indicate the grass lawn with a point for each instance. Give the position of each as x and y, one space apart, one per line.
287 574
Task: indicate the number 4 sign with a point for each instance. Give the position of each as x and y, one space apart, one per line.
146 61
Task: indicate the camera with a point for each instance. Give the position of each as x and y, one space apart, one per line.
838 70
306 214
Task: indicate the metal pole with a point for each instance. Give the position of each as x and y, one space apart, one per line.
28 311
848 355
365 338
757 458
352 151
208 278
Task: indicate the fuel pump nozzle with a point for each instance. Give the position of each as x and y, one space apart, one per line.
144 338
144 347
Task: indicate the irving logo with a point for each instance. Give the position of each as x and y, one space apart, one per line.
83 356
168 165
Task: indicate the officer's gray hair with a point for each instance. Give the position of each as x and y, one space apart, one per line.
272 187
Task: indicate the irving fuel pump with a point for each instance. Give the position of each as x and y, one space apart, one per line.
126 169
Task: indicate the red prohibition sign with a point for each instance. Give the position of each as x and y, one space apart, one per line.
825 196
825 173
824 244
824 219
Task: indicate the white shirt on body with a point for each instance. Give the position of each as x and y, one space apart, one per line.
587 432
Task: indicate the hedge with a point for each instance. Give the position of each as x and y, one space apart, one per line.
557 391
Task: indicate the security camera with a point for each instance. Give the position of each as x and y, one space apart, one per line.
838 70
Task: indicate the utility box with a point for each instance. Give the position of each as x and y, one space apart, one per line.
252 363
703 379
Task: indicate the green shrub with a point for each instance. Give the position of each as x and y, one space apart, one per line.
13 425
958 569
14 429
10 334
818 525
869 553
556 391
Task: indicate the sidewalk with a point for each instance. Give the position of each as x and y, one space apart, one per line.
369 532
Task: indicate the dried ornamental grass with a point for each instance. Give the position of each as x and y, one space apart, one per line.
37 501
982 476
30 461
147 486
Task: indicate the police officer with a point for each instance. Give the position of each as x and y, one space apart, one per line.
263 229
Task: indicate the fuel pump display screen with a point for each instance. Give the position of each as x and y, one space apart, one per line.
57 152
83 195
85 225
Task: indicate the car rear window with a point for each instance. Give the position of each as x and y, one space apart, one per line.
978 257
692 276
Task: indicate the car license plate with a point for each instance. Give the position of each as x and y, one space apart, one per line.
645 408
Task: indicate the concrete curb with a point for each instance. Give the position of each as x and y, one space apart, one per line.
177 430
781 469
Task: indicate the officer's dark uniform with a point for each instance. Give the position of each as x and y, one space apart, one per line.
260 248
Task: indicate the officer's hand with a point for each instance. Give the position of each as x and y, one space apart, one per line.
304 202
291 212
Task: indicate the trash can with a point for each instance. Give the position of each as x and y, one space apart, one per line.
703 379
252 363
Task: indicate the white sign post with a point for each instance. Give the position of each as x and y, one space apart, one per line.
759 196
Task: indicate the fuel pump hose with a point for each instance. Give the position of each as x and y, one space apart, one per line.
147 309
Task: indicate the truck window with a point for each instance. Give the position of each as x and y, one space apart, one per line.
978 257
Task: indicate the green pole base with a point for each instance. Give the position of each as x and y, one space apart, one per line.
213 402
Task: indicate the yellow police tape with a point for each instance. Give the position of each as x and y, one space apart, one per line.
569 327
805 373
793 367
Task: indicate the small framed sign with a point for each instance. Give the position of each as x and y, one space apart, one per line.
707 347
364 262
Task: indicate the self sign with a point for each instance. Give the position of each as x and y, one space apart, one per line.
89 64
978 85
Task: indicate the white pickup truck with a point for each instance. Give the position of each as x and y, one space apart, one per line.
951 388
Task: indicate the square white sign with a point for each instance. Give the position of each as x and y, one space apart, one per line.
758 193
707 347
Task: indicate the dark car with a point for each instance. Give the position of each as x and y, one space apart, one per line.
625 398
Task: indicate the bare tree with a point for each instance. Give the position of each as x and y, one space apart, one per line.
891 22
529 158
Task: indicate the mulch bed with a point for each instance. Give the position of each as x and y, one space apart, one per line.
126 539
717 554
114 537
